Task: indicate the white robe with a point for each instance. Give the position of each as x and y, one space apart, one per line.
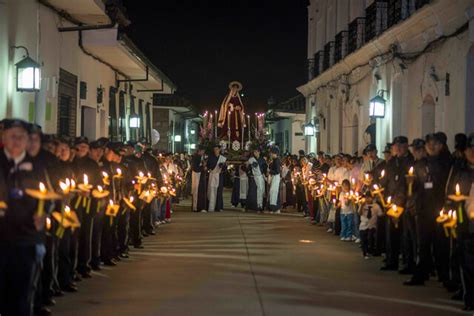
244 185
274 189
259 181
214 183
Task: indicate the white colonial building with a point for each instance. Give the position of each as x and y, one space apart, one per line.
93 78
417 55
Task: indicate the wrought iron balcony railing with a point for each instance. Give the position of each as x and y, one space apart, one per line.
341 49
375 19
356 34
328 55
318 63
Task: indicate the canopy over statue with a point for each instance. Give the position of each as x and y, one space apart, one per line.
232 114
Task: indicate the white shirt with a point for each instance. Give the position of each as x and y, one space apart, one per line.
17 160
332 173
369 223
347 205
342 174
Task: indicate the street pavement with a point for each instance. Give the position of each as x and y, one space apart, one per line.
235 263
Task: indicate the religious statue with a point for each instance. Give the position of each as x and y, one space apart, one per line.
232 115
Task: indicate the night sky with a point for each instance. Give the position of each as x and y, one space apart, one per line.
202 45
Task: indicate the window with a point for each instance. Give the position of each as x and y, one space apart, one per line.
341 46
67 103
113 126
356 34
375 19
122 117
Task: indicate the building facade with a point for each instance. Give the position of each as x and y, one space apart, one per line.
177 122
418 55
93 78
285 124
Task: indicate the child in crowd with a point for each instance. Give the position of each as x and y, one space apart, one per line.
369 212
347 211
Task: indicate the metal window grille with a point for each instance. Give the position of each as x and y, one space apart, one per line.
318 63
356 34
375 19
341 48
328 55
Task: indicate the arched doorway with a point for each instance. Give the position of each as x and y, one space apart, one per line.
355 133
428 115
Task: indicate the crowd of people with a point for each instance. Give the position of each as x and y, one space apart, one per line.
68 206
415 207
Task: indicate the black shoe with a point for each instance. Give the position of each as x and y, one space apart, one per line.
152 233
138 247
77 277
144 234
458 296
43 311
59 293
86 275
69 288
389 268
124 255
49 302
96 267
405 271
110 263
414 282
117 258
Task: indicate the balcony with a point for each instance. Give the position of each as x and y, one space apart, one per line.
328 55
356 34
341 49
399 10
318 63
310 68
375 19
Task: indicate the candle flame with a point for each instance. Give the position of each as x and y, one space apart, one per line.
67 209
410 171
68 182
63 186
42 188
353 181
131 199
394 207
382 174
48 223
119 171
100 189
140 174
458 190
73 184
389 200
111 203
149 175
86 179
104 174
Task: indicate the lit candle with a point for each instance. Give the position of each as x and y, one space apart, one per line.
43 191
48 223
458 190
382 174
64 187
410 179
86 180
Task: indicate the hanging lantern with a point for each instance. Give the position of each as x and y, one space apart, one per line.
28 73
309 129
377 106
134 121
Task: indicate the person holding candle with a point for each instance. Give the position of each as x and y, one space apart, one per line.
347 207
395 186
462 176
21 228
47 161
369 214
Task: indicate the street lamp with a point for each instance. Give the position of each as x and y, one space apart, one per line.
309 129
28 73
377 105
177 138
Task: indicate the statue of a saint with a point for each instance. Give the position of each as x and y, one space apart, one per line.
231 114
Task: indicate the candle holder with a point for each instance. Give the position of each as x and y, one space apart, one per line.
85 186
129 203
42 195
105 178
112 210
3 205
377 191
451 224
100 193
395 212
146 196
459 199
119 174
